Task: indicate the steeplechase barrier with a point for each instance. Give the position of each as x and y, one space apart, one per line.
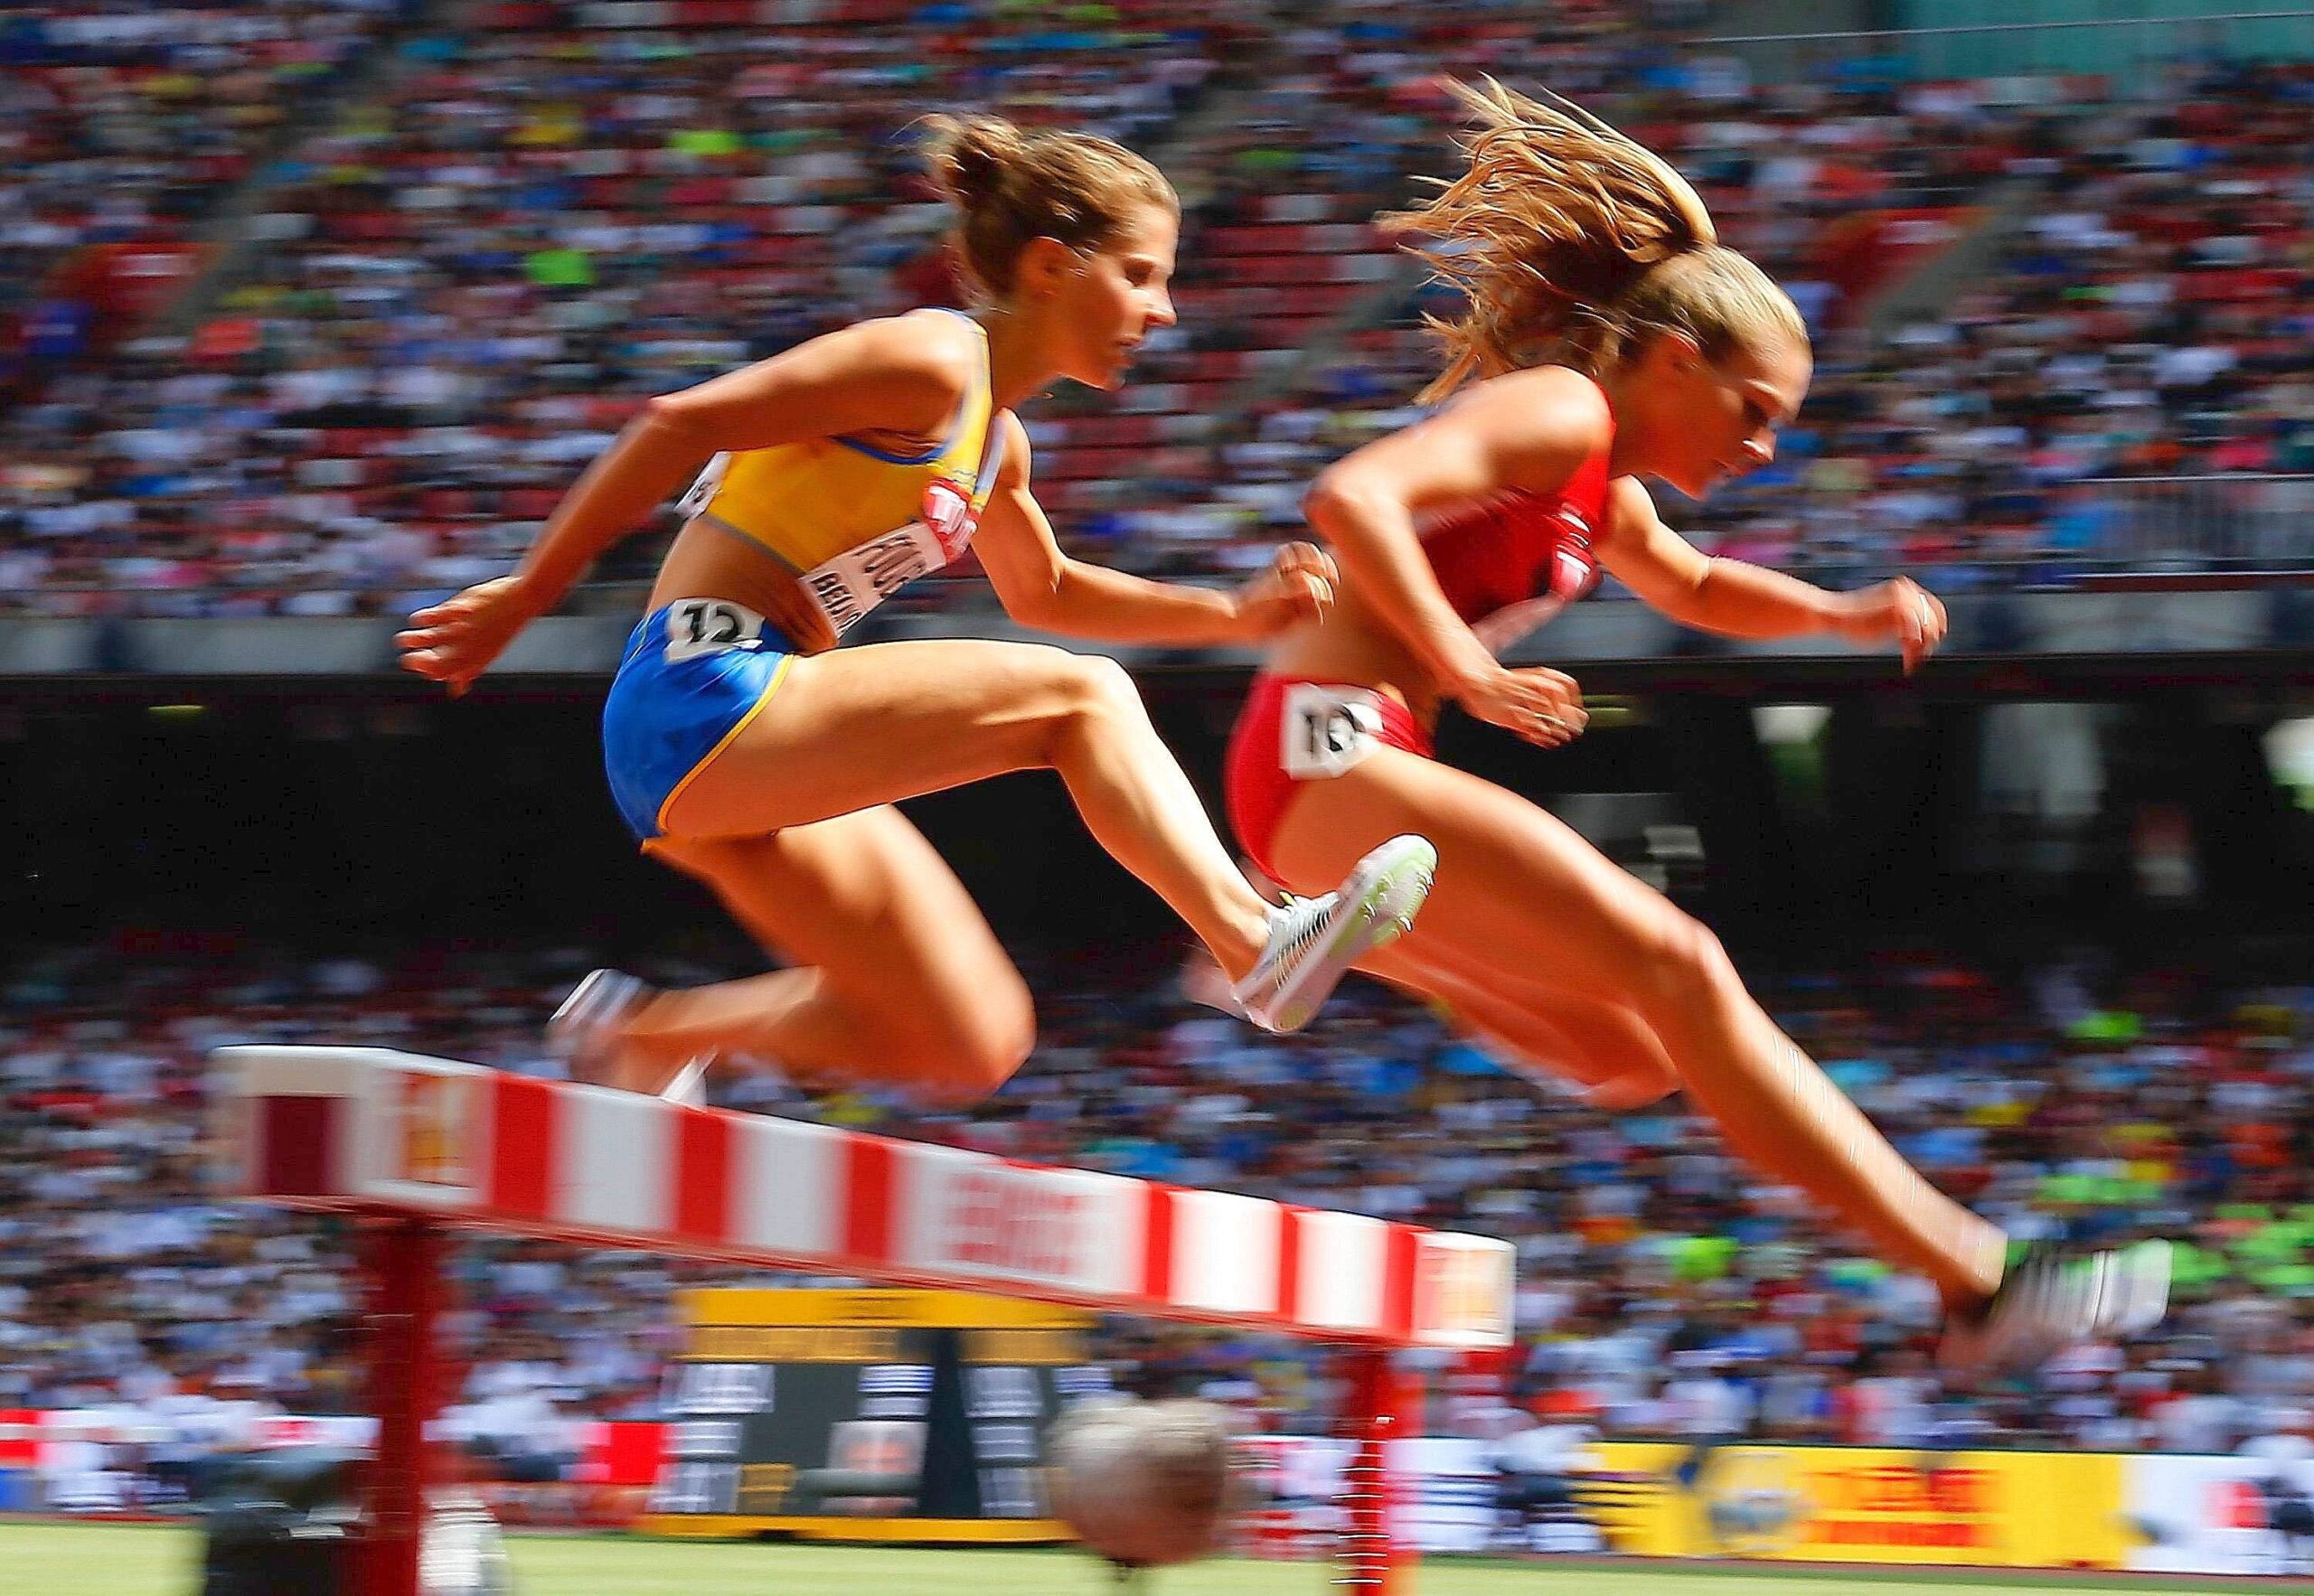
416 1148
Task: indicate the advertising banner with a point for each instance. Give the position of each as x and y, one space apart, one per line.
1867 1504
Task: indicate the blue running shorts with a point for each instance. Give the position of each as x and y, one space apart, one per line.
695 672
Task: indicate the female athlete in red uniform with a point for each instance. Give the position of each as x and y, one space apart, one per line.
744 748
1607 337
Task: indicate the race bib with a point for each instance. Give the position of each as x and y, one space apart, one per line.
856 581
697 627
1326 730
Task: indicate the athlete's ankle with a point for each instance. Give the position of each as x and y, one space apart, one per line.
1239 941
1985 1261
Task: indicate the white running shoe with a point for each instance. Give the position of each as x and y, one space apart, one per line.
688 1088
1315 941
2051 1298
584 1031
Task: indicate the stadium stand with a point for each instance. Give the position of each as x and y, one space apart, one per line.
452 294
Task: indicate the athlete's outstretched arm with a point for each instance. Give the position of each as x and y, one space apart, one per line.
1530 430
896 375
1738 599
1041 586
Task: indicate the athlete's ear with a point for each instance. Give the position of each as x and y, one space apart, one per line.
1044 263
1667 354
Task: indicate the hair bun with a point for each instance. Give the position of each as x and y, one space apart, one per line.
1010 187
970 155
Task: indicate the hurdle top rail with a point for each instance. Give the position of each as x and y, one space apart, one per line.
369 1129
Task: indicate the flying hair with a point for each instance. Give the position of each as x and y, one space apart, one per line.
1571 244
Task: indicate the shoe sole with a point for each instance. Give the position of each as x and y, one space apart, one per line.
1378 905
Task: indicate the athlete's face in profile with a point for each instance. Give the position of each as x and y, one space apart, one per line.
1724 414
1112 298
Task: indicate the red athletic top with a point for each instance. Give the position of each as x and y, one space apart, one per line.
1518 545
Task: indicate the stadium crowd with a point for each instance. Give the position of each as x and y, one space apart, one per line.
451 295
1664 1290
124 123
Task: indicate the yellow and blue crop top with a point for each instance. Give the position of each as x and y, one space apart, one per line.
852 521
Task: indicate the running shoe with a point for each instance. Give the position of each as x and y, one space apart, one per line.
584 1032
1315 941
688 1086
2053 1298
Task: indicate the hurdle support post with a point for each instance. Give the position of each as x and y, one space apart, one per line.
402 1288
1371 1560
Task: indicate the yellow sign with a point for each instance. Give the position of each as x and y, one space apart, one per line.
1024 1347
1868 1505
899 1309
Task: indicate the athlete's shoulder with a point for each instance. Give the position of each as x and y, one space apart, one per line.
933 345
910 372
1559 400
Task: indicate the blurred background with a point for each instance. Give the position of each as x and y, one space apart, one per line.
310 309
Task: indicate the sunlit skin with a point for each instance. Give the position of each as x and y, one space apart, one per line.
1085 312
893 976
1568 964
1694 422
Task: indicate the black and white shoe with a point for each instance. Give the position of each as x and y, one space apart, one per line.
2053 1298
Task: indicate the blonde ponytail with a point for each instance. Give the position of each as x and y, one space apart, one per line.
1570 241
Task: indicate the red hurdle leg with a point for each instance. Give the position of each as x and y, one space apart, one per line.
401 1275
1373 1563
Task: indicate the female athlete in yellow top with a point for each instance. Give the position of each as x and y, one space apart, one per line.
1607 337
744 748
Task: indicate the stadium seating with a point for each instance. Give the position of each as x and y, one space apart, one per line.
452 294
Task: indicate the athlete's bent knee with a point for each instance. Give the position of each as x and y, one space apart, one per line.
960 1058
1678 960
1104 687
1096 696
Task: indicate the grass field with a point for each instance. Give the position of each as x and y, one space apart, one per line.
120 1560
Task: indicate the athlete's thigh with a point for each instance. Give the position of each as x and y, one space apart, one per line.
858 727
868 902
1545 1019
1517 890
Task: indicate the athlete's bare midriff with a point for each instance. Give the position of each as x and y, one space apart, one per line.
1354 645
708 562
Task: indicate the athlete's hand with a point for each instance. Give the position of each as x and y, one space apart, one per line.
454 640
1901 612
1298 586
1542 704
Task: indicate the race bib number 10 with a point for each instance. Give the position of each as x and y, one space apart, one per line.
1327 729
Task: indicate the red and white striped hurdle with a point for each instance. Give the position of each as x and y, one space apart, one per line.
420 1146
